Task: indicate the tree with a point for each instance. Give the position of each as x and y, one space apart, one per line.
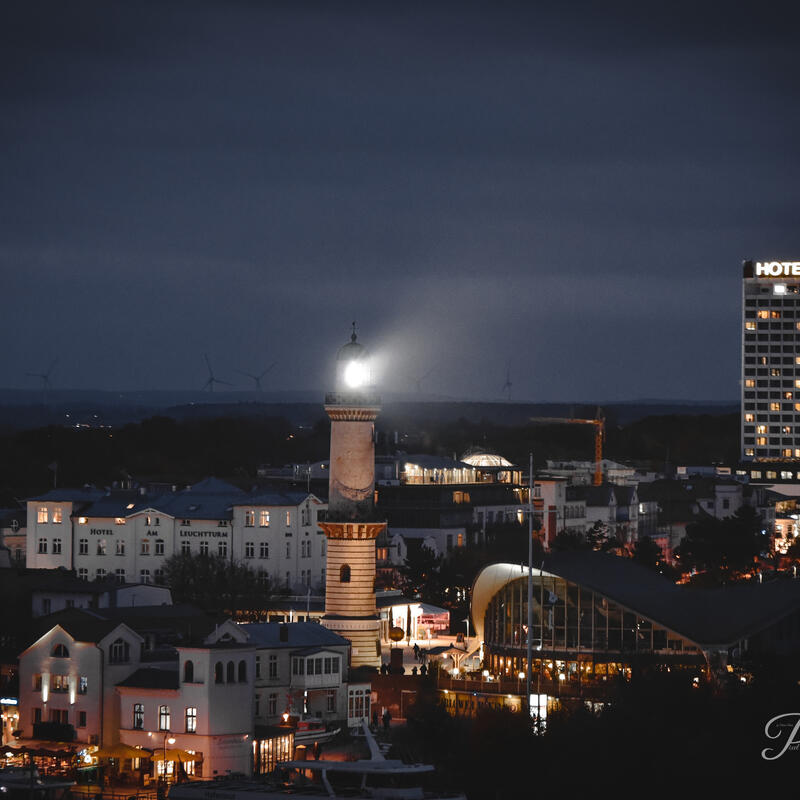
648 553
419 574
214 583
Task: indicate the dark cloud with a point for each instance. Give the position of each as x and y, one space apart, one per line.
566 187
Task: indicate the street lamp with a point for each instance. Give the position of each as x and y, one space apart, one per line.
171 740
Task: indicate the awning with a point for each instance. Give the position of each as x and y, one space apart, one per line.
176 754
122 750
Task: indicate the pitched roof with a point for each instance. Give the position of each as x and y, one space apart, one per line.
300 634
81 624
152 678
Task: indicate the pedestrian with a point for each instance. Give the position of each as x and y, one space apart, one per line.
387 718
416 651
413 670
423 670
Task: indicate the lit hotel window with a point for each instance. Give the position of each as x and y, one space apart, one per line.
82 520
749 417
749 383
120 520
786 429
761 428
749 451
775 314
763 314
787 395
750 326
775 372
797 452
41 514
264 518
774 406
761 440
57 514
787 453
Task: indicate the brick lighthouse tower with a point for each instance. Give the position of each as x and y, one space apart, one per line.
351 527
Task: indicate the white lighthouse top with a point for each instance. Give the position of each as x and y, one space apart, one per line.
352 365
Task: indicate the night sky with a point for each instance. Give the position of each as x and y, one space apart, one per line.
562 190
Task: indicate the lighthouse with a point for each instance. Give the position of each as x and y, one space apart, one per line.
351 526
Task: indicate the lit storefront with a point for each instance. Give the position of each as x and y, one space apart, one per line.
272 745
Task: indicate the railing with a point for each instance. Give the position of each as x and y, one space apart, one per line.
565 688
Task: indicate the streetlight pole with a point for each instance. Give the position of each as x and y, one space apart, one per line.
529 666
171 740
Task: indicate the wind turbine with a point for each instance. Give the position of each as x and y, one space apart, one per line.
45 376
507 384
257 378
209 384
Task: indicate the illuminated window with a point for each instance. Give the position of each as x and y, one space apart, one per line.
774 314
138 716
761 440
749 417
787 452
787 395
288 517
57 515
120 521
163 718
749 383
249 518
750 326
761 428
786 429
775 372
41 514
190 718
82 520
774 406
797 452
763 314
263 518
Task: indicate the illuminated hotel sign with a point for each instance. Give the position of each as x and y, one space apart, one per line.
776 269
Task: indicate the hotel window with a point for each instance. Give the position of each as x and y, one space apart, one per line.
191 719
750 326
249 549
145 547
203 548
57 515
83 547
272 704
138 716
258 705
263 550
120 575
774 406
774 314
775 372
249 518
305 549
120 521
120 547
42 545
81 719
761 440
763 314
786 429
101 547
273 666
186 548
761 428
57 546
288 549
144 576
788 395
787 452
83 684
83 574
747 418
41 515
264 518
119 652
99 574
330 700
797 452
749 383
324 547
222 549
59 684
288 517
159 547
163 718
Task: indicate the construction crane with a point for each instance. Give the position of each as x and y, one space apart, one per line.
599 433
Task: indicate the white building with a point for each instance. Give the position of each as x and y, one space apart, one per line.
128 535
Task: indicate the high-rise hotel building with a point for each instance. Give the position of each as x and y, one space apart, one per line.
770 424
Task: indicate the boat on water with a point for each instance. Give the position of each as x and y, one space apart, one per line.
310 729
375 777
22 783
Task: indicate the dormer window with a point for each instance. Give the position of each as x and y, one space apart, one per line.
119 652
60 651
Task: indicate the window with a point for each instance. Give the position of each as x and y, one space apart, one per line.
273 666
163 718
761 440
145 551
330 700
120 521
99 574
774 406
750 325
81 719
188 671
119 652
263 550
288 549
186 548
158 577
222 548
242 672
138 716
305 516
144 576
749 383
190 719
60 651
119 574
272 704
762 314
83 684
305 549
42 545
203 548
37 715
83 574
82 520
249 549
120 547
288 517
41 515
249 518
230 673
159 547
83 547
218 673
101 547
258 667
324 546
263 518
761 428
258 705
57 515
